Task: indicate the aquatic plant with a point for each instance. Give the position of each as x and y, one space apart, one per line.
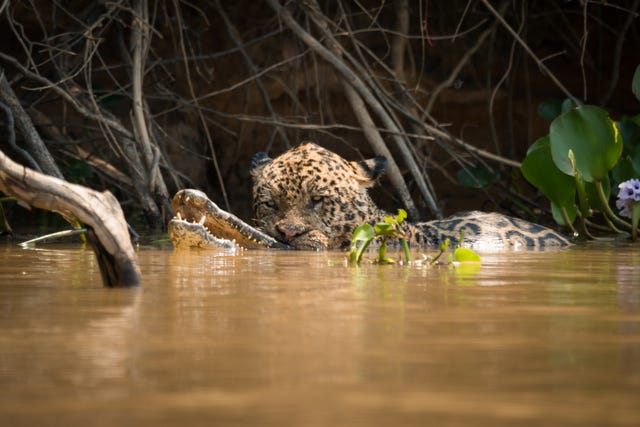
390 229
458 254
575 165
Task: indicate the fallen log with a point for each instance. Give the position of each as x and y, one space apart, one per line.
100 212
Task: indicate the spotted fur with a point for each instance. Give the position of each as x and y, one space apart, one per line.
311 198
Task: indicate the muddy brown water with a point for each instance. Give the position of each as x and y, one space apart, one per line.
297 338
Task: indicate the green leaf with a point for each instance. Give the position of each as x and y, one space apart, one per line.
571 211
549 109
635 160
402 215
362 237
593 138
568 105
635 119
465 255
635 83
445 245
538 168
624 170
363 233
478 176
383 229
629 132
78 171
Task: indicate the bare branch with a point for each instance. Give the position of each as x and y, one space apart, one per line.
192 91
32 138
526 47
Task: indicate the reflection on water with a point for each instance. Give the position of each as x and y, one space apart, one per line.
295 338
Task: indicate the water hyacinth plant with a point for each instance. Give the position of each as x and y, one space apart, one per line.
584 155
391 229
384 231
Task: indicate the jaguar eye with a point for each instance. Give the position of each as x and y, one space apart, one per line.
270 204
316 200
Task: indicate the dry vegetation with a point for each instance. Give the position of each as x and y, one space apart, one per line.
145 97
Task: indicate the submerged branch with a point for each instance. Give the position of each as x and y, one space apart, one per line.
107 229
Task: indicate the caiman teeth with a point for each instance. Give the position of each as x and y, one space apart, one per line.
201 222
178 215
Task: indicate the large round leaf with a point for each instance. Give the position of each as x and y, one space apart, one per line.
538 168
624 170
592 136
571 213
478 176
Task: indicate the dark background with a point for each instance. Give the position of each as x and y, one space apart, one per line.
224 80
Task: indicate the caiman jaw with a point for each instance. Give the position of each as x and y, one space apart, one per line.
185 233
204 218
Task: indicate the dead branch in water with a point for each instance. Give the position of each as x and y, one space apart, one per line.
100 212
107 228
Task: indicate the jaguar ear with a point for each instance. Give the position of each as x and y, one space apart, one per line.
369 170
258 162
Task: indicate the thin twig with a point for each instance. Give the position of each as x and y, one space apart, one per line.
457 69
237 40
140 43
355 81
615 73
203 122
66 95
496 89
30 134
526 47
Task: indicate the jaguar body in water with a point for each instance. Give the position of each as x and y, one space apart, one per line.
312 198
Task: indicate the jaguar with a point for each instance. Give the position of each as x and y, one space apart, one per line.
312 198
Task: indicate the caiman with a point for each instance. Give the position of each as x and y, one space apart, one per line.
312 198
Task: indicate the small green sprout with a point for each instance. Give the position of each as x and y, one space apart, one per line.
461 254
390 228
363 235
464 255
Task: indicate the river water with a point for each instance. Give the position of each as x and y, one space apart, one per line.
277 338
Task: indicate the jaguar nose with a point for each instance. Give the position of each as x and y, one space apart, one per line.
289 232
